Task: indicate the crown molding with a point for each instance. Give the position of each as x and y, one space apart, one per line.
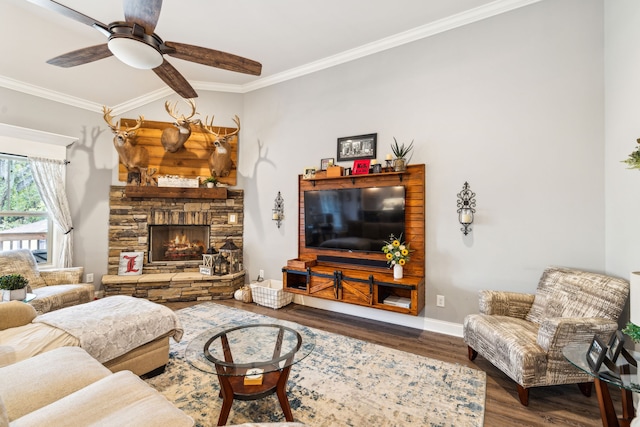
437 27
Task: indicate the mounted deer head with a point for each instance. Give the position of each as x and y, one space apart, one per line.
173 139
133 157
220 160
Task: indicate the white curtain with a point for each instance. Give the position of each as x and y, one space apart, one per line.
49 177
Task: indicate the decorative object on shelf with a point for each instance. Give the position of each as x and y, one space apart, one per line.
309 173
208 261
231 253
13 287
401 152
220 266
347 171
220 162
596 353
357 147
174 137
466 208
397 254
326 164
360 167
130 263
178 181
375 166
633 161
210 182
278 209
334 171
389 163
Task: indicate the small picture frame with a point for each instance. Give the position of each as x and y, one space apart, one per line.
616 342
325 163
360 167
309 173
596 353
357 147
130 263
347 171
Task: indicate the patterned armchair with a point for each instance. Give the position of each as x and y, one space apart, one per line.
54 288
523 334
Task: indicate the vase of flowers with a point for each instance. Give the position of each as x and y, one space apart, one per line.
398 254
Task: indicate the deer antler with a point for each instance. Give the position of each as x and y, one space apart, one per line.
173 112
114 128
208 127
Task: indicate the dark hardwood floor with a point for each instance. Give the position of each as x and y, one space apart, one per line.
556 406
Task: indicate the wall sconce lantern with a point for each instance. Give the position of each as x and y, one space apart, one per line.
231 254
466 208
278 210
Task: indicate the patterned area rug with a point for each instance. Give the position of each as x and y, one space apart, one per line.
344 382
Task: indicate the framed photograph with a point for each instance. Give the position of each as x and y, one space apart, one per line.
360 167
130 263
309 173
325 163
596 353
357 147
615 346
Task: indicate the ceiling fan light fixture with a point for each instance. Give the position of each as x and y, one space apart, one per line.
135 53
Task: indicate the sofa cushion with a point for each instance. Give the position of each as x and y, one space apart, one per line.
121 399
4 419
15 313
56 373
21 261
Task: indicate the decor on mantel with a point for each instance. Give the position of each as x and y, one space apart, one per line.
401 152
173 138
278 209
210 182
466 208
397 254
633 161
220 162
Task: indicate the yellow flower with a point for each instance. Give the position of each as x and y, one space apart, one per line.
396 243
404 252
389 255
402 261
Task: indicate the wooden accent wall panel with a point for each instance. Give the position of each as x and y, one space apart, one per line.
414 182
189 162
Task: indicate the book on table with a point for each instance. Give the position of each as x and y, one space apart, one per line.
253 376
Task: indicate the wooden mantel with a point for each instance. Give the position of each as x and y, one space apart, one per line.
175 192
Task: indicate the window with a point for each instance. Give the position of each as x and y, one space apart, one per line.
24 222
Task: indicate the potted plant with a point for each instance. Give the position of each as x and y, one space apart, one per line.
634 158
210 182
14 287
401 152
633 331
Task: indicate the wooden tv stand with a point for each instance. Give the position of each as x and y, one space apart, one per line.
362 278
355 286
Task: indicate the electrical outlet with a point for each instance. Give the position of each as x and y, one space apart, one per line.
89 278
440 300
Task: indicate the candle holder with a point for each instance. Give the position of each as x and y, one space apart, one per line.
277 213
466 208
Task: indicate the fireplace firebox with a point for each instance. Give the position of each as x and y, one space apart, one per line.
177 242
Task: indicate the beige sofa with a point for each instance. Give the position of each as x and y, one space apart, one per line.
25 334
54 288
67 387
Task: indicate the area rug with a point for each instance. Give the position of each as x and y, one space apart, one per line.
344 382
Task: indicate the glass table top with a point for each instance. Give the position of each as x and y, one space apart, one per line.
270 346
576 354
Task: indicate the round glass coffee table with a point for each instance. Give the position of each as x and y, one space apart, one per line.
235 352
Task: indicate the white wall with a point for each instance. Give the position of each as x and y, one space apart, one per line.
513 104
622 123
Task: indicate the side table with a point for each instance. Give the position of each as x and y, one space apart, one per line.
627 382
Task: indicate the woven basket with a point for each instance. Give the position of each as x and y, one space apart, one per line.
269 293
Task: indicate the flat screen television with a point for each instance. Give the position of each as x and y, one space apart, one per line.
353 219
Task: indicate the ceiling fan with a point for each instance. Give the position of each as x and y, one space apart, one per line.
135 43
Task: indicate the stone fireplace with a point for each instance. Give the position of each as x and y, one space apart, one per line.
173 232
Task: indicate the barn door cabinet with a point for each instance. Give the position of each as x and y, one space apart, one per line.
357 287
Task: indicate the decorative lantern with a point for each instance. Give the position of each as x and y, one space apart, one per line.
208 261
220 265
231 253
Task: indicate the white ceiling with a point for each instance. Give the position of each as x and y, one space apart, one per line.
289 37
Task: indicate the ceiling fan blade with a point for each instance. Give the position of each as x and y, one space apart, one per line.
73 14
143 12
213 58
81 56
175 80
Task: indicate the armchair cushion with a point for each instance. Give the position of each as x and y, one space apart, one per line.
21 261
62 276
